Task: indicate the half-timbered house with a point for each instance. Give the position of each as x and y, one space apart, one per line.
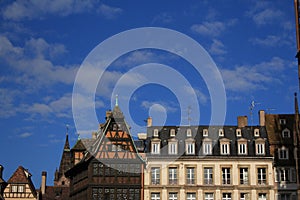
111 167
20 186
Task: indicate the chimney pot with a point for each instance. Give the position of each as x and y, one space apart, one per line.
242 121
262 119
149 122
43 184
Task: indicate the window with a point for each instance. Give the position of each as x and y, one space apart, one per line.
283 153
225 148
286 133
285 196
17 188
155 175
190 147
261 176
242 148
209 196
207 147
284 175
282 121
256 132
155 147
173 196
21 188
205 132
155 196
155 132
226 196
172 147
244 176
190 175
172 132
173 175
208 175
244 196
260 147
191 196
238 132
221 132
262 196
14 188
189 132
225 176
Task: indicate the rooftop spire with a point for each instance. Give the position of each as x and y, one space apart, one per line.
117 103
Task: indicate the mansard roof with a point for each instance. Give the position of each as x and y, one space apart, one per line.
229 133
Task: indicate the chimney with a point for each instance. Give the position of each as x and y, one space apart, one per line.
94 135
242 121
149 122
43 183
1 171
262 119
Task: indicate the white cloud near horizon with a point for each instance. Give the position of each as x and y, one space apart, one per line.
213 28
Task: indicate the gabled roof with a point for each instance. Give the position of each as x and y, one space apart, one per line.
22 175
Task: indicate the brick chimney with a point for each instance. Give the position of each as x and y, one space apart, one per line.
43 183
149 122
242 121
262 119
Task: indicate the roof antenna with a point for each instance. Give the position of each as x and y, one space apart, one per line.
189 115
251 108
67 129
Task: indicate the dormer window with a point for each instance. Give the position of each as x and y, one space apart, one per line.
238 132
225 146
256 132
155 147
242 147
172 133
260 147
172 145
286 133
207 147
190 147
283 153
205 133
189 132
282 121
221 132
155 132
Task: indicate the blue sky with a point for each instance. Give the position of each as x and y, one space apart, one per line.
44 43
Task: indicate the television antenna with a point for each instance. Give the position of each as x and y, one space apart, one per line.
251 108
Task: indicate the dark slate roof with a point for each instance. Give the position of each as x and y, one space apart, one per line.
197 135
56 192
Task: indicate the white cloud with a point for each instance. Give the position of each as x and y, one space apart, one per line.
213 28
217 48
109 12
32 9
256 77
164 18
166 105
25 135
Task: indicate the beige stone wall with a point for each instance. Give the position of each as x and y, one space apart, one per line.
217 188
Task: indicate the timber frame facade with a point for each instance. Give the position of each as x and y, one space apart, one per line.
112 168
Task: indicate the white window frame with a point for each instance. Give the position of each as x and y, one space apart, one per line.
190 175
173 175
155 196
286 131
261 176
260 148
226 196
173 195
207 147
190 147
282 121
155 175
256 132
238 132
155 133
172 133
191 196
205 132
172 147
226 176
221 132
155 147
244 196
242 148
283 153
208 175
208 196
244 175
262 196
189 132
225 148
